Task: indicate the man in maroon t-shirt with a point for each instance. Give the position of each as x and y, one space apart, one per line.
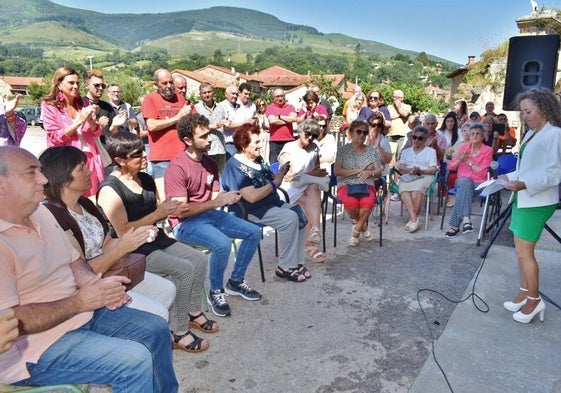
192 178
281 116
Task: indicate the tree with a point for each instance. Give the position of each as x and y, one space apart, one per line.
218 57
422 58
37 92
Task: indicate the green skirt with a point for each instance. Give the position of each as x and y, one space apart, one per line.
527 223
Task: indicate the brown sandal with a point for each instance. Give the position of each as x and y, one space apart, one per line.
315 255
197 345
208 326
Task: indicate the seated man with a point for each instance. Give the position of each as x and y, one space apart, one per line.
192 177
72 326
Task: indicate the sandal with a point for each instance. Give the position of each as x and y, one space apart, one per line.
366 234
197 345
302 269
452 232
467 227
315 255
208 326
353 241
294 274
315 236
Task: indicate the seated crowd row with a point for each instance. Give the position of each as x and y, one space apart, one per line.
53 262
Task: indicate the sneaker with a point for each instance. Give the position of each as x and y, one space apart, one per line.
395 198
242 289
218 304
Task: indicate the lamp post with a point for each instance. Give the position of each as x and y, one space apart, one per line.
91 66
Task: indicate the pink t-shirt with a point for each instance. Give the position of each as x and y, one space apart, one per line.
195 180
280 133
35 268
164 144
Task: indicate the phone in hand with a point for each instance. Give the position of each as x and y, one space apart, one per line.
499 127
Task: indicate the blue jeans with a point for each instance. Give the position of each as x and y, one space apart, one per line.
215 229
159 168
128 349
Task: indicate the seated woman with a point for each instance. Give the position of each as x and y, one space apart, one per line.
128 198
248 173
65 169
471 163
357 163
420 161
303 182
326 143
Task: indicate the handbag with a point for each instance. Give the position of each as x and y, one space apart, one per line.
358 190
132 265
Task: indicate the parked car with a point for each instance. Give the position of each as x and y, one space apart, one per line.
32 115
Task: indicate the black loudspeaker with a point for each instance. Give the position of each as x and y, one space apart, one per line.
532 62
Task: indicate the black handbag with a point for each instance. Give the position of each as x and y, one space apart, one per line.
358 190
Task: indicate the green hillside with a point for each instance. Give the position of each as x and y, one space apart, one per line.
233 30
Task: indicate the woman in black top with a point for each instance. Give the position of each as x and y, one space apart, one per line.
128 198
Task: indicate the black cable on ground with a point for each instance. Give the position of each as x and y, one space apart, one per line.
472 295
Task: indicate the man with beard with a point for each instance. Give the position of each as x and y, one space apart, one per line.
95 86
161 110
192 178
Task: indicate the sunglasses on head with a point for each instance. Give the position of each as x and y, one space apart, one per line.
376 125
137 153
309 135
417 138
361 132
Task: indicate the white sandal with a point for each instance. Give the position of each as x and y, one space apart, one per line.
315 236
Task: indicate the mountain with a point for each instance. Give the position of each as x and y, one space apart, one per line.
39 23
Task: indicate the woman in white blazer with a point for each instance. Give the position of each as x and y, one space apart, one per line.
536 185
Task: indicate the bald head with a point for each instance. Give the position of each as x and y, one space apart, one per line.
164 84
180 84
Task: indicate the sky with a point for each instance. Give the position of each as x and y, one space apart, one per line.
449 29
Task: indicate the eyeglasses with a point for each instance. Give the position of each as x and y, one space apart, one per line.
361 132
99 85
309 135
376 125
279 96
137 153
417 138
373 98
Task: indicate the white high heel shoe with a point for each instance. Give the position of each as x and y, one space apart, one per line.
527 318
514 307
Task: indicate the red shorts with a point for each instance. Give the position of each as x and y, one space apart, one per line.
350 202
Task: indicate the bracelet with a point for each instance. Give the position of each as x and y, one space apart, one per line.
273 185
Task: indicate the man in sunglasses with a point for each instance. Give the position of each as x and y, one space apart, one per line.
281 115
95 86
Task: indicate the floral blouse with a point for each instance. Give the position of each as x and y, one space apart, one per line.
237 175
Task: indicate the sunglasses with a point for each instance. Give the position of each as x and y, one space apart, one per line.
137 153
361 132
309 135
99 85
417 138
373 98
376 125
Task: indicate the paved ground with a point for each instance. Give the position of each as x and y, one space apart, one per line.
356 326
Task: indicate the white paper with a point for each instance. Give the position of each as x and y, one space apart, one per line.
491 186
